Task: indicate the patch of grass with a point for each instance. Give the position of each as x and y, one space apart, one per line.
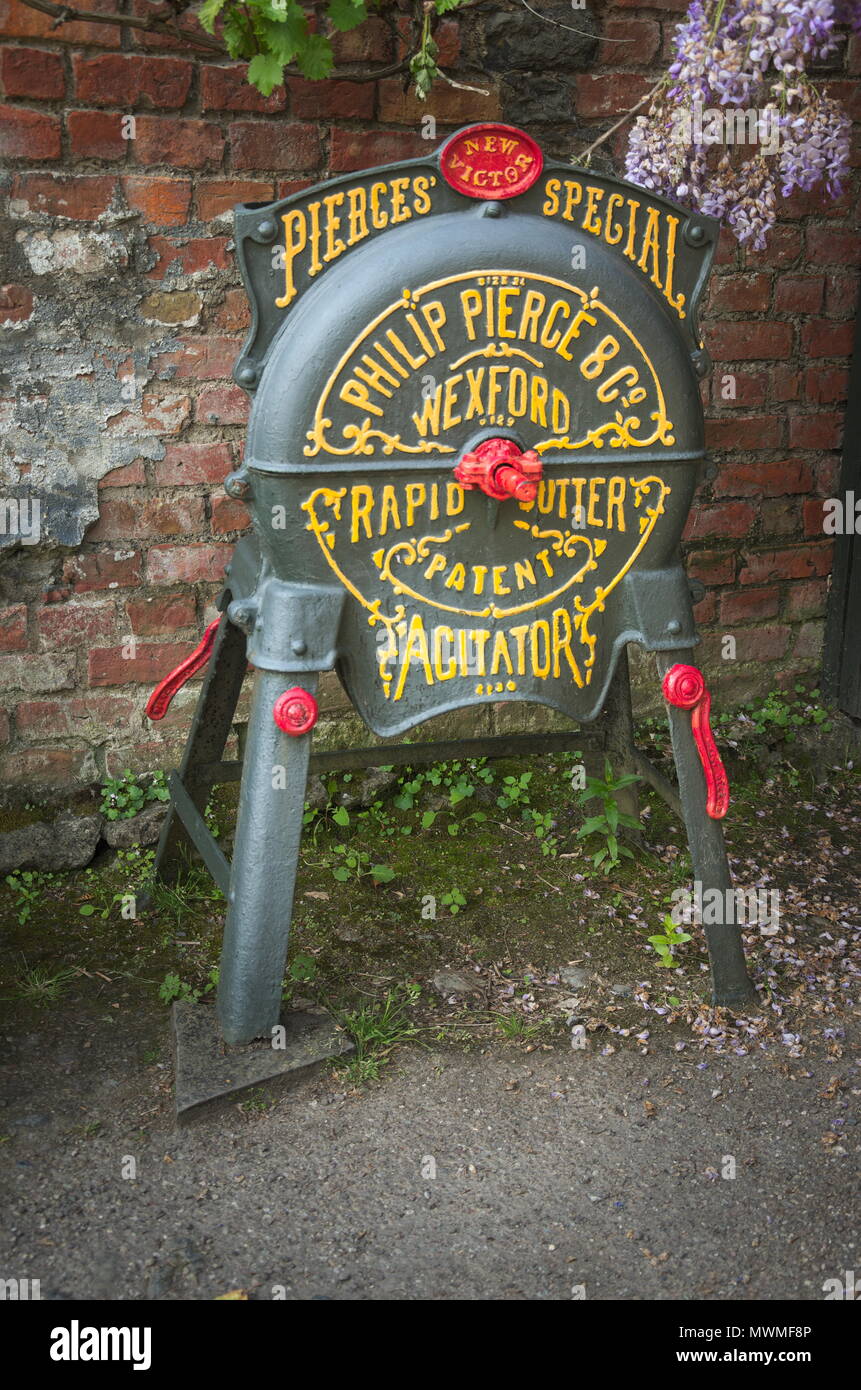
40 987
377 1030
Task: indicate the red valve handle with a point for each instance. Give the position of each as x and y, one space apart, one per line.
295 711
685 687
159 701
500 470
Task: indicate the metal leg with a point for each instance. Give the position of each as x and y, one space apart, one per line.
730 983
209 733
265 860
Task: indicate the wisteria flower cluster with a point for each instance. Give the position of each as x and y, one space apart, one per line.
740 78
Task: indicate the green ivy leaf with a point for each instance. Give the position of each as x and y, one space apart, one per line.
345 14
265 72
315 58
209 12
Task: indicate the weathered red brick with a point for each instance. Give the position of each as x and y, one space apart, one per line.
221 405
35 73
799 294
130 79
362 149
833 246
16 304
744 432
217 196
187 564
136 662
13 628
371 42
274 145
763 479
233 314
814 517
808 643
19 22
841 294
822 431
189 464
783 249
180 143
807 599
96 135
747 605
163 202
114 570
628 42
154 617
188 257
748 340
720 519
824 338
89 718
780 516
47 767
797 562
740 292
609 94
82 197
351 101
825 385
712 567
228 89
228 514
749 388
129 475
203 359
451 105
763 643
122 520
26 134
75 624
785 383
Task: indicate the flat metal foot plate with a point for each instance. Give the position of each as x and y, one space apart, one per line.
209 1073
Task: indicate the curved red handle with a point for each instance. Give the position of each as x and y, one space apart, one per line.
159 701
685 687
500 470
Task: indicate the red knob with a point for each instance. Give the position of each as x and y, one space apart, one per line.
295 711
500 470
685 687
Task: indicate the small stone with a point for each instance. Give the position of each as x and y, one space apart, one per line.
623 991
142 829
447 982
574 976
69 842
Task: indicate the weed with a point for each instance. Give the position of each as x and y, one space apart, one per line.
606 823
664 944
37 986
126 796
377 1029
28 885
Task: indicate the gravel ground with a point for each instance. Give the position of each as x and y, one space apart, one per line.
553 1170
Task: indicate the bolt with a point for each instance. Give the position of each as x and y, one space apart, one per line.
266 229
299 646
246 376
491 210
674 626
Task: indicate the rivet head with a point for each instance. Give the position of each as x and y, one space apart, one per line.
674 626
491 210
299 647
695 234
266 229
247 375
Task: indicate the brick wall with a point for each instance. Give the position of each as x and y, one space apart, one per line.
122 313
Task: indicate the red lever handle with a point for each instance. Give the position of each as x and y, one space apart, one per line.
500 470
685 687
159 701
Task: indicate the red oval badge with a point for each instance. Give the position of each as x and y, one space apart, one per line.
490 161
